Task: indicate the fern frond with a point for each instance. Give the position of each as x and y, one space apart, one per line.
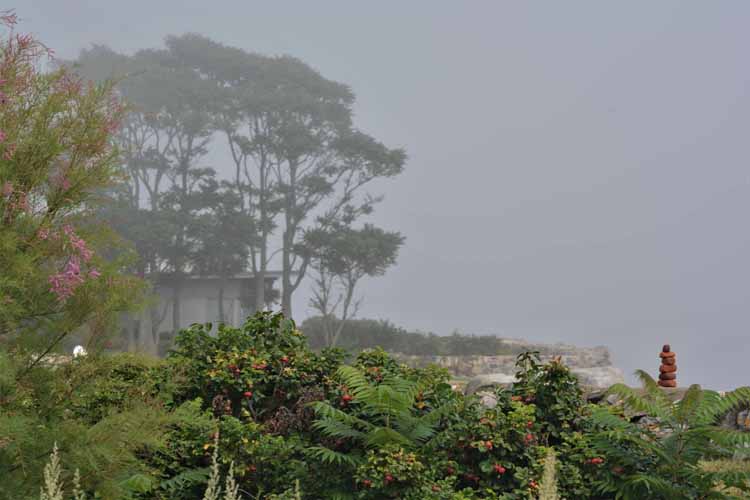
382 436
329 456
717 406
656 406
656 486
327 412
685 410
337 429
185 479
653 391
356 382
729 438
602 417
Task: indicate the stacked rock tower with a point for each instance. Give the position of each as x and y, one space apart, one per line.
668 368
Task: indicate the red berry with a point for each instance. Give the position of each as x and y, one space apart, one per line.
529 424
488 445
285 359
388 478
247 394
529 438
347 397
499 469
367 483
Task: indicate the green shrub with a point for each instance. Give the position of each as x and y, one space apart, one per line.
252 371
667 462
93 387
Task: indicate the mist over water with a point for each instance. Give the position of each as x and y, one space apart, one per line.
577 172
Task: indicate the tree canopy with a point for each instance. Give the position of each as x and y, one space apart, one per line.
298 165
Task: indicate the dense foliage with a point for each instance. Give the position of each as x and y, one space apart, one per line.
298 166
664 460
359 334
293 423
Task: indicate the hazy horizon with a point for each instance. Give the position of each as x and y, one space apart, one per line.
577 171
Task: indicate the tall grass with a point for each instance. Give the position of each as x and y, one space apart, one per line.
548 486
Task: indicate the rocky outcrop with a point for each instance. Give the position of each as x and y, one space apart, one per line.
593 378
592 365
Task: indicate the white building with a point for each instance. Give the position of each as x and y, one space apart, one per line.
152 330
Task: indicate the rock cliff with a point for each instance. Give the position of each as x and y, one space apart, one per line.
592 365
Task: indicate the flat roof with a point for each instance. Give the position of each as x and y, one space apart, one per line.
238 276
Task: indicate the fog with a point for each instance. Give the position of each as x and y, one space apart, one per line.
577 170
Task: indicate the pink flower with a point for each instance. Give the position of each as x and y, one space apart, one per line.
94 274
2 134
65 283
9 152
79 244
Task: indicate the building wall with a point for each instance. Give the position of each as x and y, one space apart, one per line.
199 303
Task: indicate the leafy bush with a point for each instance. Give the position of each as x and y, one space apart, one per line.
666 462
250 372
313 428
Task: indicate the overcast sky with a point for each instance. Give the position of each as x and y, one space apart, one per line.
578 170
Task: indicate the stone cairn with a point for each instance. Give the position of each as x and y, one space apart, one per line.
668 368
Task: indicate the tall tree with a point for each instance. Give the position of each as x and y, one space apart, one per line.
341 258
299 163
165 139
298 158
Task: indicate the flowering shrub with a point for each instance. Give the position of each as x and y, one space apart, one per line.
56 158
372 430
253 371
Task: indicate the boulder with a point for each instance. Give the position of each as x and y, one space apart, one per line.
489 381
599 377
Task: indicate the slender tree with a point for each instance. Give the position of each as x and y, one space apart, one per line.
341 258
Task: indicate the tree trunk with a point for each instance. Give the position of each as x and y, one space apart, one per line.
221 301
286 280
260 289
176 305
